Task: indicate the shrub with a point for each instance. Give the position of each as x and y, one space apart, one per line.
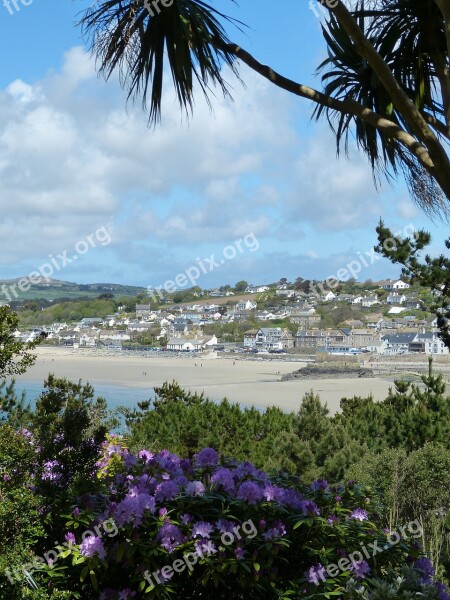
211 528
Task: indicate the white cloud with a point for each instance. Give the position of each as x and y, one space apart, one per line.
72 158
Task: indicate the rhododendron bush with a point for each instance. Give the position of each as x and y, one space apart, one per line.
210 527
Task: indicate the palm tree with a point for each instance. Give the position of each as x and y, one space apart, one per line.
386 79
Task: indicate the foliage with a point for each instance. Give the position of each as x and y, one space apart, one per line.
69 311
385 80
433 274
15 356
241 533
413 486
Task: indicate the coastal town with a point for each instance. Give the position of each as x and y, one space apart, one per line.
388 318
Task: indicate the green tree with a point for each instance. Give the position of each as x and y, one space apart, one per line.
432 274
15 355
386 79
241 286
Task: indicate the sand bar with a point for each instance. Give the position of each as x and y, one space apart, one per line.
246 382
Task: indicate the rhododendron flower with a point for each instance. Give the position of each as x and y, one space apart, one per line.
208 457
91 546
319 485
315 574
195 488
426 569
223 525
224 478
202 529
250 492
170 536
359 514
360 569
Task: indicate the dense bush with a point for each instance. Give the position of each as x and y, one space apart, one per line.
210 528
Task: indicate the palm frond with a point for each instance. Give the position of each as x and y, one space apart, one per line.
137 38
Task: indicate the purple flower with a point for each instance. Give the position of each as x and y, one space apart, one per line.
360 569
203 547
167 490
170 536
202 529
126 594
320 485
92 546
208 457
145 455
195 488
277 531
359 514
426 569
223 478
223 525
333 519
185 519
70 538
76 512
273 493
310 508
442 591
133 507
240 553
316 573
250 492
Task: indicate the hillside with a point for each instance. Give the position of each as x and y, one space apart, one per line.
51 289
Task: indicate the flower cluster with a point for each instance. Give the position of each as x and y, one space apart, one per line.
242 529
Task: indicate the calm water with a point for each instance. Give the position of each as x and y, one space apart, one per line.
114 394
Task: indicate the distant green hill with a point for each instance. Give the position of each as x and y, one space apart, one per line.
50 289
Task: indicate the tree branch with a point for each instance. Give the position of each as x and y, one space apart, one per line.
403 104
386 127
436 124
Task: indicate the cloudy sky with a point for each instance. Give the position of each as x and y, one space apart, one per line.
76 160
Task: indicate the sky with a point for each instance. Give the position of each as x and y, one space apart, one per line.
250 190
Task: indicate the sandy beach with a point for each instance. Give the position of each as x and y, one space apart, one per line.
249 382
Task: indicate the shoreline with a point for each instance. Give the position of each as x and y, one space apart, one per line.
254 382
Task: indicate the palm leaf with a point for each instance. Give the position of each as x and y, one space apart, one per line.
136 40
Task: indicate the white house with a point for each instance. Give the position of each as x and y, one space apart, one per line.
246 305
369 301
183 345
395 285
256 289
395 298
328 297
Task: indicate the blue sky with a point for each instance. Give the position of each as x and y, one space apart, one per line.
75 160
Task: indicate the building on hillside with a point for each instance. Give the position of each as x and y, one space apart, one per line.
305 321
398 343
369 301
429 343
246 305
256 289
250 338
184 345
274 338
395 298
143 311
392 285
317 338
